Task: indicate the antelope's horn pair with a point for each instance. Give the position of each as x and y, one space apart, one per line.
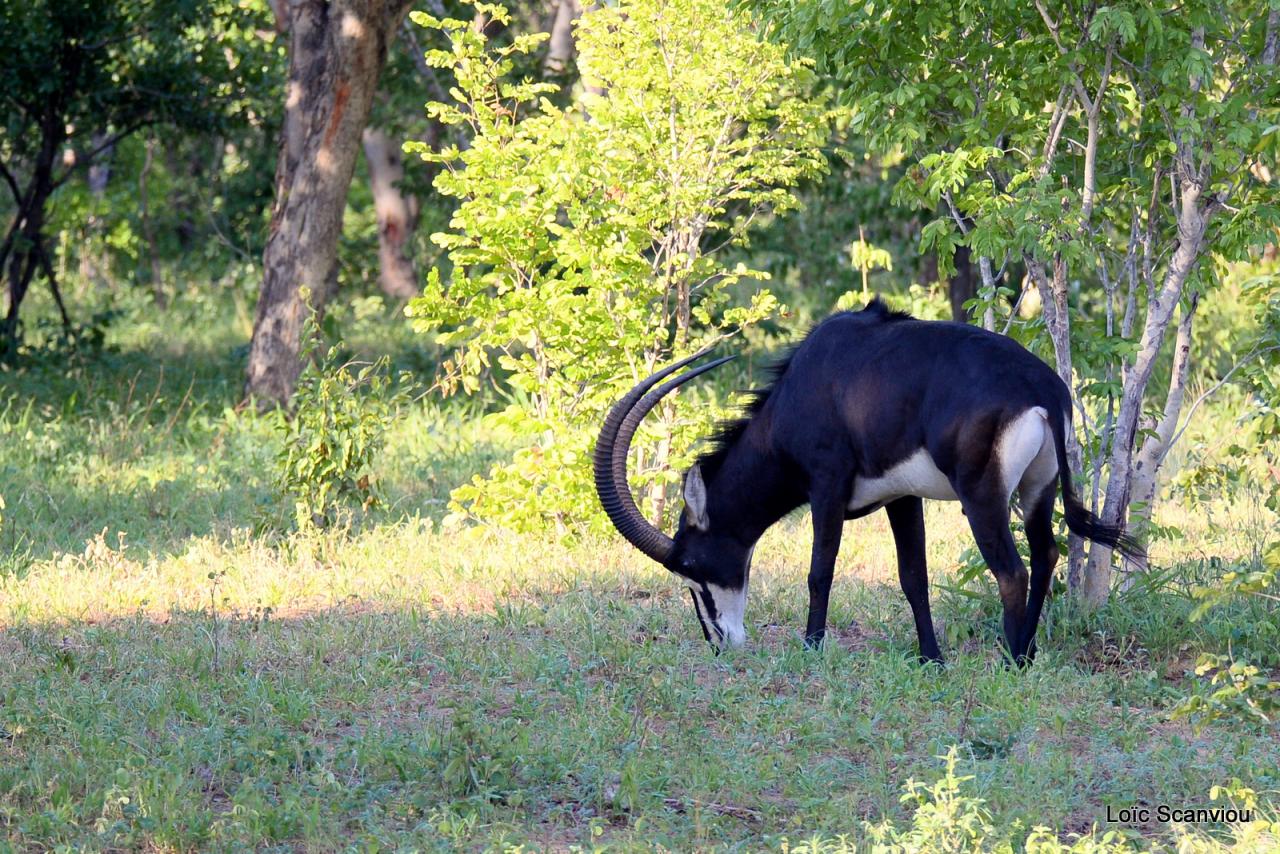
610 461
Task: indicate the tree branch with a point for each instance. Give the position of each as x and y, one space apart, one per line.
87 158
45 264
12 182
1212 390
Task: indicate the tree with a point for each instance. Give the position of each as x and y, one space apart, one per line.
337 49
80 76
584 250
397 213
560 42
1107 147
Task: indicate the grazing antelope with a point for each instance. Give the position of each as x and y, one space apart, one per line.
874 409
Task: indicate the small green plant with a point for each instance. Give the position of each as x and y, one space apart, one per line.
945 818
866 258
476 763
1237 688
342 410
214 630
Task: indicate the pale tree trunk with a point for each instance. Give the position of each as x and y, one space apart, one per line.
1146 465
336 53
1193 212
560 44
397 214
98 178
1194 208
1193 219
1057 320
148 233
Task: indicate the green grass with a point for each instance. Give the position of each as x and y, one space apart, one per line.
194 678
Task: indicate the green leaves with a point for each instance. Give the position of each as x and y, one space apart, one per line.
1238 690
582 243
342 412
1110 22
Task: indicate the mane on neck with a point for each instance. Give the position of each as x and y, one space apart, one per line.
729 432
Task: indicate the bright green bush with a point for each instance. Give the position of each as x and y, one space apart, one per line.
1239 684
581 245
1238 688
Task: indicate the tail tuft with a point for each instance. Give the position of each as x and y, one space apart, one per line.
1089 526
1079 519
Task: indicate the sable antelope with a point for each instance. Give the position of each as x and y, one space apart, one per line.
874 409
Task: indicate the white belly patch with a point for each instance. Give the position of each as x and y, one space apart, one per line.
916 475
1024 454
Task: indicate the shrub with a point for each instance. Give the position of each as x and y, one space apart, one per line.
946 820
342 410
580 249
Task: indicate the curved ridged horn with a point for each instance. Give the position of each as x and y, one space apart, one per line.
610 460
606 486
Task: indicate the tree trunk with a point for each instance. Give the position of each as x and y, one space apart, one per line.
397 215
1057 320
1193 210
148 233
1193 219
560 45
1146 466
336 53
24 242
99 177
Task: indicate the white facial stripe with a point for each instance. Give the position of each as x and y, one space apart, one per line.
731 607
708 626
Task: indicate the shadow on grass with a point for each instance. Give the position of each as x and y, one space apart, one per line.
156 448
159 515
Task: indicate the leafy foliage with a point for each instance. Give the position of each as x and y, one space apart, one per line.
342 411
966 92
1260 367
109 65
1237 688
1122 155
945 818
583 248
81 77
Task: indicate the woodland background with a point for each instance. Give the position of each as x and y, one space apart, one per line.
313 309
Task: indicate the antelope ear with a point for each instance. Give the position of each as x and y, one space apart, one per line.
695 499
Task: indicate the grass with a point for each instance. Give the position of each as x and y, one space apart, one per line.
176 673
